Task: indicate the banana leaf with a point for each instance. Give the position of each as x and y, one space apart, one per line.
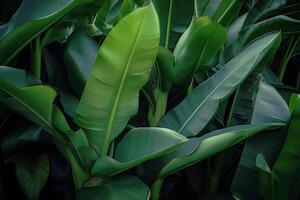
198 108
122 67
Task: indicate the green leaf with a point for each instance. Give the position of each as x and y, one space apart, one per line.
78 139
198 149
79 57
137 146
174 17
35 103
198 108
59 32
287 164
126 187
122 67
262 9
266 180
32 176
197 48
285 24
227 11
165 67
269 107
17 76
281 181
127 7
234 29
102 14
56 73
288 26
32 18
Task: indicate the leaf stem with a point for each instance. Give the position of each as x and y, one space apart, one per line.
167 39
214 176
190 87
157 111
231 108
155 189
36 56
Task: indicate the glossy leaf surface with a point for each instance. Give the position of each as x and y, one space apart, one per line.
137 146
122 67
198 108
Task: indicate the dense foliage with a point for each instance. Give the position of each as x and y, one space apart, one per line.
161 99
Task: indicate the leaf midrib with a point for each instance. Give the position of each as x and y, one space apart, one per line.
107 133
206 98
167 39
225 12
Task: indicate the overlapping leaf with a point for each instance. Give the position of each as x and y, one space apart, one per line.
198 108
137 146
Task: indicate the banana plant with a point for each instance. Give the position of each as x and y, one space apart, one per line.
129 70
156 99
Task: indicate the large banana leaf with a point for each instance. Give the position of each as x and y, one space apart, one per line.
137 146
197 48
198 108
29 21
122 67
126 187
242 108
174 17
198 149
269 107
